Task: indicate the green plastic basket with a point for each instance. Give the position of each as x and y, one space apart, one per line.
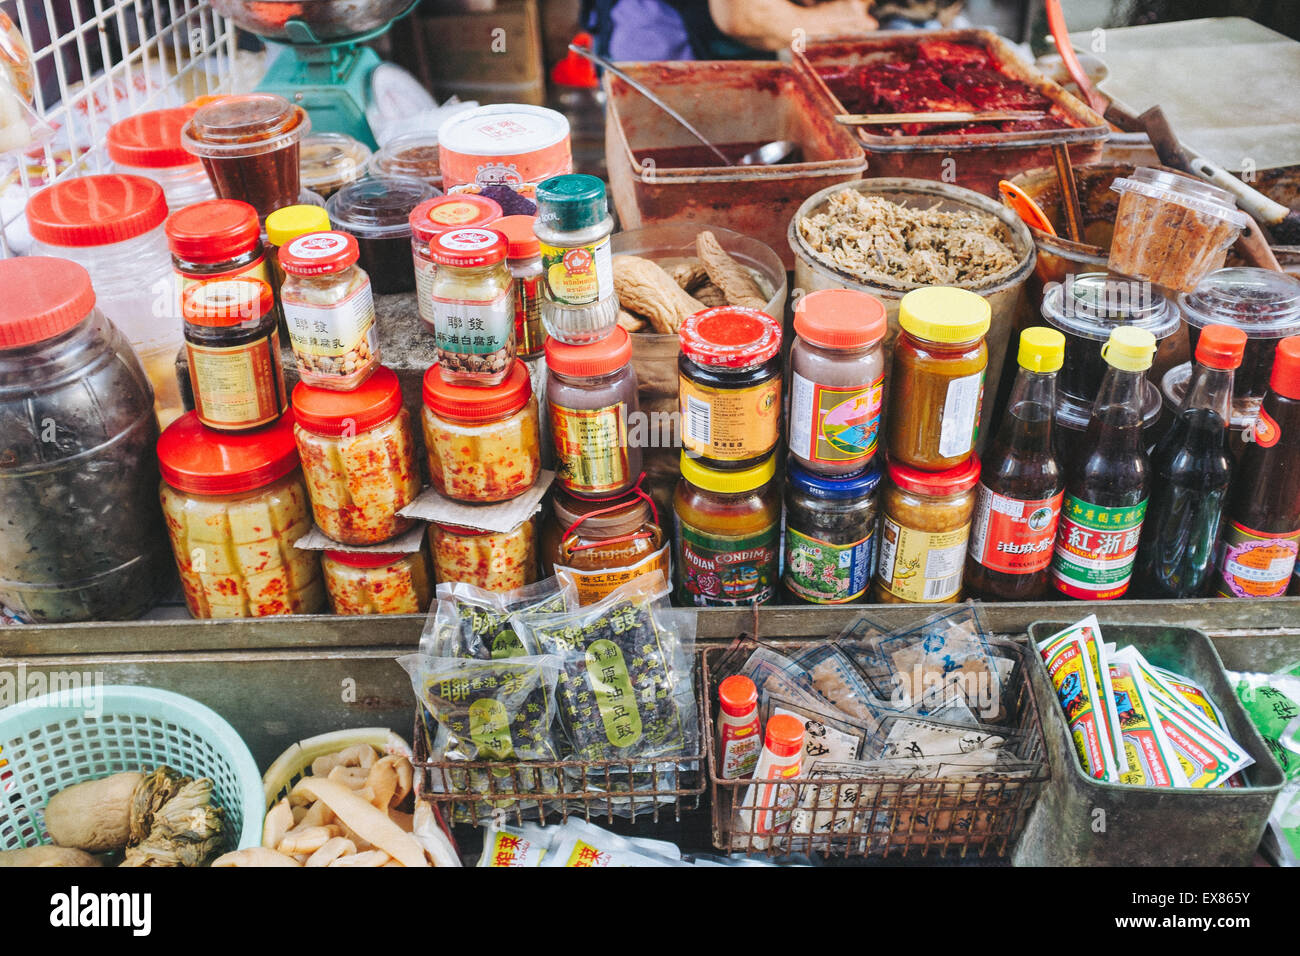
49 743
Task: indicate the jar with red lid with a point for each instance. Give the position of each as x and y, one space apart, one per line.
473 306
234 505
149 144
924 533
113 226
729 386
524 259
366 582
431 219
492 560
216 240
602 544
232 345
591 396
82 538
358 456
330 310
483 443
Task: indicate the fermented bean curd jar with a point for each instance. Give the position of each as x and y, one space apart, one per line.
494 561
473 302
364 582
937 385
591 394
924 533
729 383
728 533
431 219
234 506
601 545
483 443
358 456
830 534
837 374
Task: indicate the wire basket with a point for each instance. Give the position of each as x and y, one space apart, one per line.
876 817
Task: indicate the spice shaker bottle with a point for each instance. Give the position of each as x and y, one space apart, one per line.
573 228
739 733
767 805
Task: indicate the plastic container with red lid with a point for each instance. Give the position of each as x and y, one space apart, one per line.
149 144
468 248
729 386
370 582
201 461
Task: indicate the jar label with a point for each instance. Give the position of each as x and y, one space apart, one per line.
834 424
961 416
530 336
921 567
590 448
1255 563
741 744
334 340
607 672
723 571
578 275
1013 536
257 269
730 424
594 585
826 573
472 327
425 272
240 386
1096 549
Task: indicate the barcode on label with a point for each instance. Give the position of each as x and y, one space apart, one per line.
697 420
942 588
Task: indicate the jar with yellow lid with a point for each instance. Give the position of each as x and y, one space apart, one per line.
728 533
287 224
937 385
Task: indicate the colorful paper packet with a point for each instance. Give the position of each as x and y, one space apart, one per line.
1152 760
1069 667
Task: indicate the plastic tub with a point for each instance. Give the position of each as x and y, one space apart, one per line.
411 154
737 102
149 145
508 143
329 161
377 213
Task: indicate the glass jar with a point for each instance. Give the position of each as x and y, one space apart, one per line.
728 535
573 228
377 213
837 369
830 534
81 538
329 310
729 386
365 582
410 154
924 533
329 161
234 505
431 219
149 144
937 385
524 259
600 545
232 346
473 302
483 443
216 240
358 456
591 397
494 561
113 226
285 225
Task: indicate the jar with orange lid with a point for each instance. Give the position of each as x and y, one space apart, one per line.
368 582
358 456
524 259
149 144
483 444
602 544
924 533
837 369
473 306
492 560
234 506
214 240
431 219
937 383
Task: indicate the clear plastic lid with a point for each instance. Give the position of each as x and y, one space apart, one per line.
1090 305
1195 194
1262 303
1245 409
378 208
411 154
327 161
247 125
1075 415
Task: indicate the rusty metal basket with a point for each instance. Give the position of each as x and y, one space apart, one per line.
961 816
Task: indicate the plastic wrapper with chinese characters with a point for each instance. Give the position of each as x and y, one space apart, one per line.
468 621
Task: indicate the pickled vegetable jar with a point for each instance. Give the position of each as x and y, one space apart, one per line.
358 455
603 544
234 505
365 582
830 534
483 443
81 538
492 560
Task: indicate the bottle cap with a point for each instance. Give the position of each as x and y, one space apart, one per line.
840 319
150 140
206 462
215 230
728 482
226 302
784 735
95 210
472 403
571 202
944 314
598 358
1221 347
319 253
730 337
469 248
738 695
1129 349
369 559
290 222
43 297
936 484
326 412
1285 379
576 70
1042 349
518 231
435 216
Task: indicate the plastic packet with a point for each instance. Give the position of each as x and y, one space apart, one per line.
1086 696
828 734
1272 701
1152 761
524 845
1193 694
924 738
838 680
579 843
468 621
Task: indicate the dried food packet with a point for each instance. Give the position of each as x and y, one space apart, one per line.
468 621
828 734
524 845
772 671
924 738
1076 663
837 679
582 844
1152 761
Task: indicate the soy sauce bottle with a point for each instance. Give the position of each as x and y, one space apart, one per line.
1018 501
1261 534
1108 481
1191 468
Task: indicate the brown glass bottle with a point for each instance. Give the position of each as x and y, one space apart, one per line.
1018 501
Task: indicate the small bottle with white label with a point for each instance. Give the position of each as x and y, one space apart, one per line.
473 304
768 803
740 735
573 229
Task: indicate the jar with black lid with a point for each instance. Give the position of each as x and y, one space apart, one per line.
830 534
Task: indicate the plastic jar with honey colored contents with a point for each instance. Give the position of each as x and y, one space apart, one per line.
358 455
367 582
924 533
601 545
937 386
492 560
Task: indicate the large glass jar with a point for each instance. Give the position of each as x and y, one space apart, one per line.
358 455
830 534
482 443
601 545
473 301
366 582
937 385
80 534
492 560
234 505
149 144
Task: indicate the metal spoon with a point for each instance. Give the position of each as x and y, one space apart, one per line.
769 154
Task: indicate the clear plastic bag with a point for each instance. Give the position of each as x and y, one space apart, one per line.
468 621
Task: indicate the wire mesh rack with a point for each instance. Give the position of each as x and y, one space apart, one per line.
93 62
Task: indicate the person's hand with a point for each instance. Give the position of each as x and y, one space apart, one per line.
838 17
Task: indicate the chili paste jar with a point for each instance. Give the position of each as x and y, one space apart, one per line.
728 531
830 534
215 240
491 560
368 582
600 545
729 383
